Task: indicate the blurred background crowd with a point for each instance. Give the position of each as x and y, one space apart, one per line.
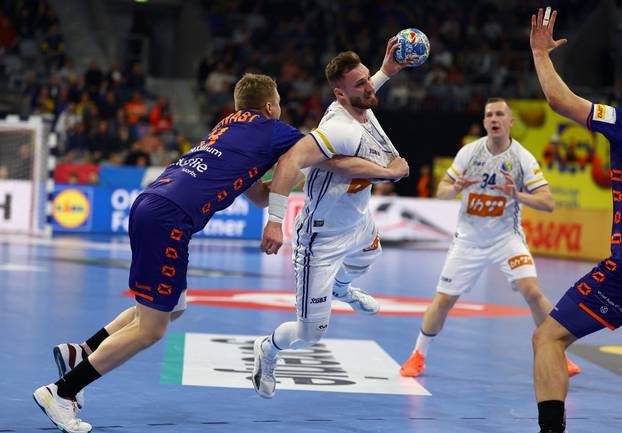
112 99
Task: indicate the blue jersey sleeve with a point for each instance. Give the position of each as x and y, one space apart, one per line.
283 137
606 120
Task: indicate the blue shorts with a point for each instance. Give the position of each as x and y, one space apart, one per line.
594 302
159 236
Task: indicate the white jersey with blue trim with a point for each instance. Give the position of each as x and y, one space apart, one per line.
488 215
334 202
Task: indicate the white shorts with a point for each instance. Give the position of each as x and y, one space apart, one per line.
465 263
317 258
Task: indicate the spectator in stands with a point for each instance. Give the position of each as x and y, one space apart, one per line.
161 118
425 184
67 120
53 48
78 144
136 78
93 78
137 156
135 109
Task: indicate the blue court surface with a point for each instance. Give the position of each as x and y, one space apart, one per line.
478 379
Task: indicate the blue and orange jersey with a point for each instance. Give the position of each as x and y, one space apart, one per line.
608 121
235 154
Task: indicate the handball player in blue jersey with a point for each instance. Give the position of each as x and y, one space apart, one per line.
180 202
594 302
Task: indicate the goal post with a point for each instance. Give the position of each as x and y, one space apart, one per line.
26 175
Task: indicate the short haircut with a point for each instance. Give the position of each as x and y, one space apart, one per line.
497 99
252 91
340 65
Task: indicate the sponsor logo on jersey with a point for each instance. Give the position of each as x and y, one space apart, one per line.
71 208
604 113
483 205
318 223
318 300
195 163
518 261
506 166
446 279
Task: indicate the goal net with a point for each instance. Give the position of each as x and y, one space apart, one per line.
25 183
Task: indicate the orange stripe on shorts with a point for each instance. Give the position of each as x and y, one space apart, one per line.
597 317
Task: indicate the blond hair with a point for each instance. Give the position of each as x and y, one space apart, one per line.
252 91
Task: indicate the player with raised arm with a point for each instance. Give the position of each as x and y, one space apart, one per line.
335 237
496 176
594 301
180 202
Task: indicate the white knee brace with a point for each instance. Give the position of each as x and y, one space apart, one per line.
308 333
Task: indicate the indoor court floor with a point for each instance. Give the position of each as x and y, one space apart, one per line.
478 378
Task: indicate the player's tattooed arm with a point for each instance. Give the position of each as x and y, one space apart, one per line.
559 96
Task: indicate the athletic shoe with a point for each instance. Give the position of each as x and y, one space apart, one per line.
60 411
67 356
359 300
414 366
263 371
573 369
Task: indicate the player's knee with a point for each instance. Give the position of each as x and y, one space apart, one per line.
148 336
542 335
309 333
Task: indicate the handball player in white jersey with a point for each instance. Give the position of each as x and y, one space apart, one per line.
335 239
496 175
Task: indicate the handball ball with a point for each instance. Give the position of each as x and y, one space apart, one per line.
413 47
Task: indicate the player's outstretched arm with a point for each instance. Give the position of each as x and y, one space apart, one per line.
360 168
389 66
558 94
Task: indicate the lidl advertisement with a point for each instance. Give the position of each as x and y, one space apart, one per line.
107 210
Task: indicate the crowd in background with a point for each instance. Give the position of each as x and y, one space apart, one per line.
100 115
107 115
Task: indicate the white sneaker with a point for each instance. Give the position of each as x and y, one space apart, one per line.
359 300
60 411
67 356
263 371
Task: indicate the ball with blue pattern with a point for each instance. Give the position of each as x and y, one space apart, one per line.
413 47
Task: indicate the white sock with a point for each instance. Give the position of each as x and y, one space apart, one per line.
281 338
423 342
340 289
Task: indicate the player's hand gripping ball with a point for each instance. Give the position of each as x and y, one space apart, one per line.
413 47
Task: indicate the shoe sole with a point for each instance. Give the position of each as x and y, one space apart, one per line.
361 309
34 397
255 378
